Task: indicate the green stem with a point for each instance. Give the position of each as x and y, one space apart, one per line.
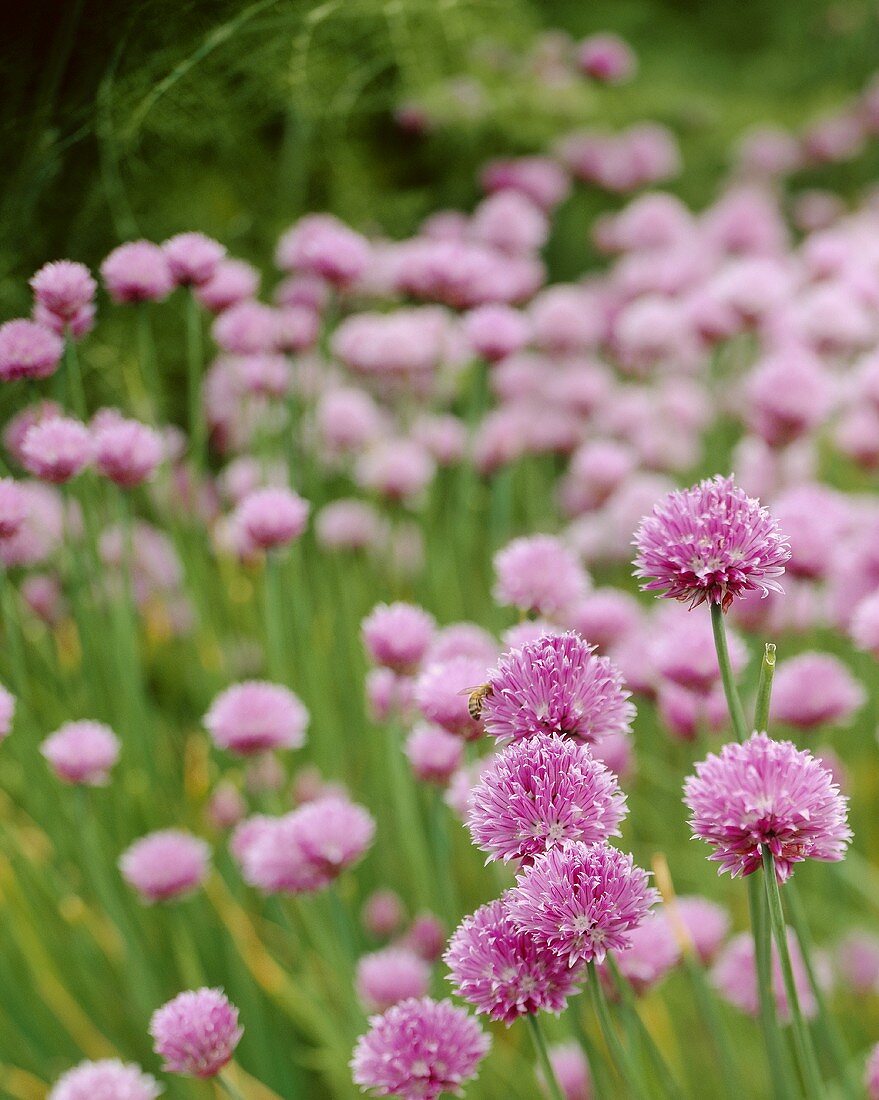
74 379
274 618
733 702
549 1076
764 688
229 1088
802 1038
194 364
624 1063
776 1052
706 1005
146 351
669 1086
832 1036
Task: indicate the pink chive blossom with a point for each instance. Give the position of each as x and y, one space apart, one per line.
137 272
710 543
541 179
766 793
272 517
419 1048
538 573
334 833
397 469
165 864
681 649
706 924
271 858
857 962
426 936
108 1079
571 1069
320 244
606 58
734 975
233 281
605 616
227 807
525 632
388 694
398 635
57 449
442 694
502 971
82 752
128 452
13 507
64 289
28 350
384 978
382 913
245 328
463 640
256 716
815 689
81 324
871 1074
348 524
196 1033
581 901
541 792
434 753
296 328
495 331
556 685
193 258
653 951
7 712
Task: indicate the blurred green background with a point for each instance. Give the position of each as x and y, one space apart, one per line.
148 118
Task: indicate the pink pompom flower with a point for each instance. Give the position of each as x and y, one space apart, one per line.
57 449
710 543
128 452
137 272
503 972
556 685
320 244
652 952
766 794
63 288
419 1048
606 58
538 573
7 712
196 1033
256 716
382 913
815 689
571 1069
82 752
272 517
13 507
706 923
108 1079
398 635
166 864
734 975
334 833
232 282
442 694
384 978
581 901
434 753
193 258
28 350
541 792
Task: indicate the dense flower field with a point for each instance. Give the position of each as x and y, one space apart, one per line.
472 691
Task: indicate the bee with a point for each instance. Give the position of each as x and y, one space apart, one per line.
476 696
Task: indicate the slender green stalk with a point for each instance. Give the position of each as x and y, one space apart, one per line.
443 856
625 1064
669 1085
764 688
706 1004
228 1087
549 1076
408 820
194 365
146 352
831 1033
274 618
733 702
776 1051
74 378
802 1038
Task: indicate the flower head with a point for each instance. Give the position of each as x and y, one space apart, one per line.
82 752
710 543
387 977
63 288
766 794
502 971
165 864
571 1070
196 1033
137 272
108 1079
815 689
57 449
539 573
434 753
322 245
128 452
334 833
540 792
652 952
7 712
706 922
256 716
272 516
581 900
28 350
419 1048
233 281
398 635
442 692
193 258
734 975
13 507
556 684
